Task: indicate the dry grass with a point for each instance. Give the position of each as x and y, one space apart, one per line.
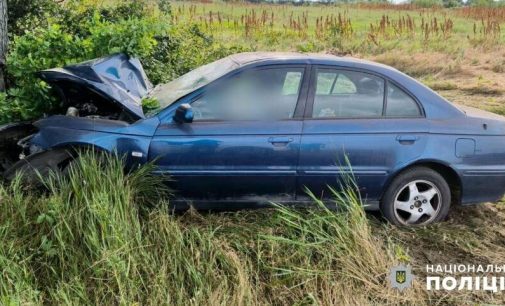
483 13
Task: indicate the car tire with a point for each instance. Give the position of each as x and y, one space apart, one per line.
416 197
38 165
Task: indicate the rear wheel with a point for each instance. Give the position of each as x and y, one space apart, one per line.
416 197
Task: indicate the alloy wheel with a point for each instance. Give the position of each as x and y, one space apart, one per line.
417 203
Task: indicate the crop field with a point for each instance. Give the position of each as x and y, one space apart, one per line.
105 237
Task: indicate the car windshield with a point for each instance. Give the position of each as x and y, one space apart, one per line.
168 93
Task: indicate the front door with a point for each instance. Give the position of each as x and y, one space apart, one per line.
244 141
357 124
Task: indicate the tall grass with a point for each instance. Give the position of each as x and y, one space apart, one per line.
103 236
324 253
89 241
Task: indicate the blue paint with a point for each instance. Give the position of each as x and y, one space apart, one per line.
278 160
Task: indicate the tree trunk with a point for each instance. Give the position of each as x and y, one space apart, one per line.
3 42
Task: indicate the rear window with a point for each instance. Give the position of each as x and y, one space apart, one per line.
400 104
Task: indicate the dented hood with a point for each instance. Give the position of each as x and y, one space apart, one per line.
118 78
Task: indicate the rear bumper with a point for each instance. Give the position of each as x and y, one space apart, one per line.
482 186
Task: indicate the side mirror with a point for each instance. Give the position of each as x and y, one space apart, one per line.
183 114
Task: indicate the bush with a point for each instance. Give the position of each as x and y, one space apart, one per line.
25 15
181 50
78 32
29 53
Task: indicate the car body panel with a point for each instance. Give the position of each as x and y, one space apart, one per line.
118 77
234 161
370 149
482 174
131 141
223 160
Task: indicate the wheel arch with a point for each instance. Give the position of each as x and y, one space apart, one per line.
74 146
449 174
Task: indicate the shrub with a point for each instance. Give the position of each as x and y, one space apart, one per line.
84 32
36 50
182 49
25 15
132 36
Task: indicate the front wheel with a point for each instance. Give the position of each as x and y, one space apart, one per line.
40 165
418 196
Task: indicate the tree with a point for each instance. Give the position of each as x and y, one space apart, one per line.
3 42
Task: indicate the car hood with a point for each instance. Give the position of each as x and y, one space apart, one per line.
80 123
118 78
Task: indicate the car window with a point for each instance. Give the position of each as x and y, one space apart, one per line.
267 94
334 83
347 94
400 104
292 83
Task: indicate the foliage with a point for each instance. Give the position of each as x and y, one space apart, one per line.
150 104
181 50
25 15
486 3
133 36
79 32
165 7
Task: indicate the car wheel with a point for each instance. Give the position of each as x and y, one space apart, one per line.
416 197
39 165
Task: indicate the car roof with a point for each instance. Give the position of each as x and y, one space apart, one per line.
245 58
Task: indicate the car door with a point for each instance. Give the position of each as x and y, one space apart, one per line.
357 123
244 141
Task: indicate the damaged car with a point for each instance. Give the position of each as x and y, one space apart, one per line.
109 88
255 128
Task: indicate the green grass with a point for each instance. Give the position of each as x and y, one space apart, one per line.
102 236
226 22
448 63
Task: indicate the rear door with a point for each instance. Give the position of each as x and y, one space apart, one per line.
356 123
244 141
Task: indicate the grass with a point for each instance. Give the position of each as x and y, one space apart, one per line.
366 29
103 236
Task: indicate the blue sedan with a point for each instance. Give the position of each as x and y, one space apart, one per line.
256 128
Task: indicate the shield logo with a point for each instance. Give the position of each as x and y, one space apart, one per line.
401 277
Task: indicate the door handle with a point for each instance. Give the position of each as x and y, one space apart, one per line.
407 139
280 141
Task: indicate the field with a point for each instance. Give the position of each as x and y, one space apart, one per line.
458 52
105 237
